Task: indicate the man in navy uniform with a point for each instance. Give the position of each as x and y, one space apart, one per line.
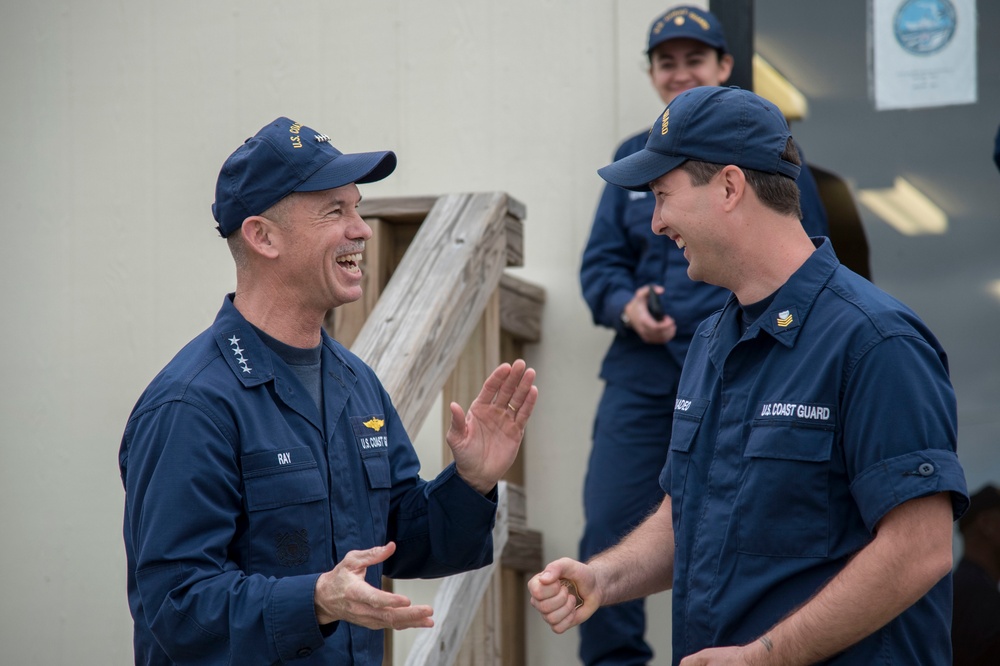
269 481
812 481
622 262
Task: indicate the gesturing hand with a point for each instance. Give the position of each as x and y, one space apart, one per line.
343 594
552 597
485 440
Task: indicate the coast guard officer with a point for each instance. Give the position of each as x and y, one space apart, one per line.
269 482
812 480
622 261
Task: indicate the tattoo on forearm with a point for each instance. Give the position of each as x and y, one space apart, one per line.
767 642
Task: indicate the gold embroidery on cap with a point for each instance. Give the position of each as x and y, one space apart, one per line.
665 125
294 132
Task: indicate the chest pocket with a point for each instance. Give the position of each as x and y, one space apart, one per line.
287 505
783 506
372 437
688 415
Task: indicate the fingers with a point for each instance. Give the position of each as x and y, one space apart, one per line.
362 559
527 405
458 429
512 392
553 599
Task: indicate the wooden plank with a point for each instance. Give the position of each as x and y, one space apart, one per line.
398 210
456 601
524 550
477 360
521 306
513 586
416 332
515 241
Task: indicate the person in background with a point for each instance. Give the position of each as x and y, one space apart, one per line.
975 628
269 483
807 501
636 284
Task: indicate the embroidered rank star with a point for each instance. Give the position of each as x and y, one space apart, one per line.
784 318
240 358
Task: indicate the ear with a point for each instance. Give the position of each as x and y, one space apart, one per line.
725 68
260 236
734 181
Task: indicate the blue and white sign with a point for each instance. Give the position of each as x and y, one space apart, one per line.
923 53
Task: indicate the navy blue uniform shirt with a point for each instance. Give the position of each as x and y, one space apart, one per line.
790 442
240 493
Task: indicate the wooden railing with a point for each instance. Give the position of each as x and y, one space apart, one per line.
438 314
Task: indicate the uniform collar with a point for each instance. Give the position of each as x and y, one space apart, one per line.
246 354
795 300
789 310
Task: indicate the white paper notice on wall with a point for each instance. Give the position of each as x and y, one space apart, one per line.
922 53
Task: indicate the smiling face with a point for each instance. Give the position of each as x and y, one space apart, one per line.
680 64
687 214
322 237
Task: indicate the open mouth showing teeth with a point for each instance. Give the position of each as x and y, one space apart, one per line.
351 262
680 243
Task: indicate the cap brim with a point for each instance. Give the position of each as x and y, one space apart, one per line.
638 170
350 168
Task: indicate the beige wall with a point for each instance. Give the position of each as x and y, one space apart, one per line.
116 118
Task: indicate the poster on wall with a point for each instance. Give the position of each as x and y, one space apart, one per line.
922 53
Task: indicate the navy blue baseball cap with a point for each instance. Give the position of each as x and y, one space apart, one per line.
687 22
708 124
285 157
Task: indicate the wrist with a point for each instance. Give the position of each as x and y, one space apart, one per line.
758 652
625 319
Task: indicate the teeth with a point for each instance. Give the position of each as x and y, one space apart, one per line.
680 243
350 258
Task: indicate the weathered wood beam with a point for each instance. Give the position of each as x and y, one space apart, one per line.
457 600
417 330
521 306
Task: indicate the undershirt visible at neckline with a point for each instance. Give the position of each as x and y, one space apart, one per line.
752 312
305 363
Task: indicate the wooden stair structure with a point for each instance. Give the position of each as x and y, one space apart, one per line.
446 319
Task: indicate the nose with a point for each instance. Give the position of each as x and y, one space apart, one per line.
656 224
358 228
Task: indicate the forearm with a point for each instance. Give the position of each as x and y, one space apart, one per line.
909 555
641 564
441 528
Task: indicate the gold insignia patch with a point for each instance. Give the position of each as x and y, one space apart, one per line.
665 125
374 424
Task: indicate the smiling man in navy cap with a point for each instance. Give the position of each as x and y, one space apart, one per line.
623 262
269 481
806 505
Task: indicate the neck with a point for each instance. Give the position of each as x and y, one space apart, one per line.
280 317
773 256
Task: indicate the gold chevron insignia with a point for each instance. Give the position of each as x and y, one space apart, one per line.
374 424
784 318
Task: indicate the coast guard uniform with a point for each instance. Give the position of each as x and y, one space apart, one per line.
633 421
240 493
790 442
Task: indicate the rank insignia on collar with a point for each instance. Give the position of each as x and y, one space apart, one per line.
244 362
784 319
